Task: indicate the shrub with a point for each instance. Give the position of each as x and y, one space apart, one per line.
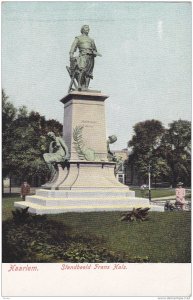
137 214
20 215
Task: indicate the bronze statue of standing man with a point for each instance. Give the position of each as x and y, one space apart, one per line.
81 67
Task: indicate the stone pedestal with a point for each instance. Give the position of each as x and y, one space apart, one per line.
88 182
85 110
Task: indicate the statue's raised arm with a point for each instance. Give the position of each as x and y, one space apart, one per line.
81 67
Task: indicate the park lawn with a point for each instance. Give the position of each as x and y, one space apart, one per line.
8 205
165 237
155 193
158 239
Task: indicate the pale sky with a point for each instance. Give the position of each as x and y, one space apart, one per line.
145 66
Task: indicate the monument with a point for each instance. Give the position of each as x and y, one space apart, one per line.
81 164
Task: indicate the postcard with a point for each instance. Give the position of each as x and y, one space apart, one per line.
96 149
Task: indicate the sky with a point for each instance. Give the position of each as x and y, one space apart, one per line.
145 66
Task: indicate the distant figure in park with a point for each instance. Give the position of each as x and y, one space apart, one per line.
143 186
81 67
169 206
180 195
25 190
58 152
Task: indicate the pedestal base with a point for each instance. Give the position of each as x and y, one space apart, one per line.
84 186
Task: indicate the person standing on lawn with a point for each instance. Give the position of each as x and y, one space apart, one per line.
25 190
180 195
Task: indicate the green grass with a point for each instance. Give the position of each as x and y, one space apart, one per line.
8 205
155 193
166 237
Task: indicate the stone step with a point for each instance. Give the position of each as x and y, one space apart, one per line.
85 193
40 210
52 201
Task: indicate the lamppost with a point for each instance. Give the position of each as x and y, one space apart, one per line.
149 181
151 158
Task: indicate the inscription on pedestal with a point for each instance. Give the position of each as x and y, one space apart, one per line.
90 124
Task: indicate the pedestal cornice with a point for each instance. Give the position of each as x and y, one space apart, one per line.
84 95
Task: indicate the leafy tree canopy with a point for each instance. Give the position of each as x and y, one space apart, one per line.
25 140
176 149
146 136
167 151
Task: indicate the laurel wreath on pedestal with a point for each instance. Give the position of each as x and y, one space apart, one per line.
83 152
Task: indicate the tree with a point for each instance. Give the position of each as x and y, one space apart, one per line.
9 113
25 140
176 149
167 151
25 155
28 142
22 112
145 145
54 125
